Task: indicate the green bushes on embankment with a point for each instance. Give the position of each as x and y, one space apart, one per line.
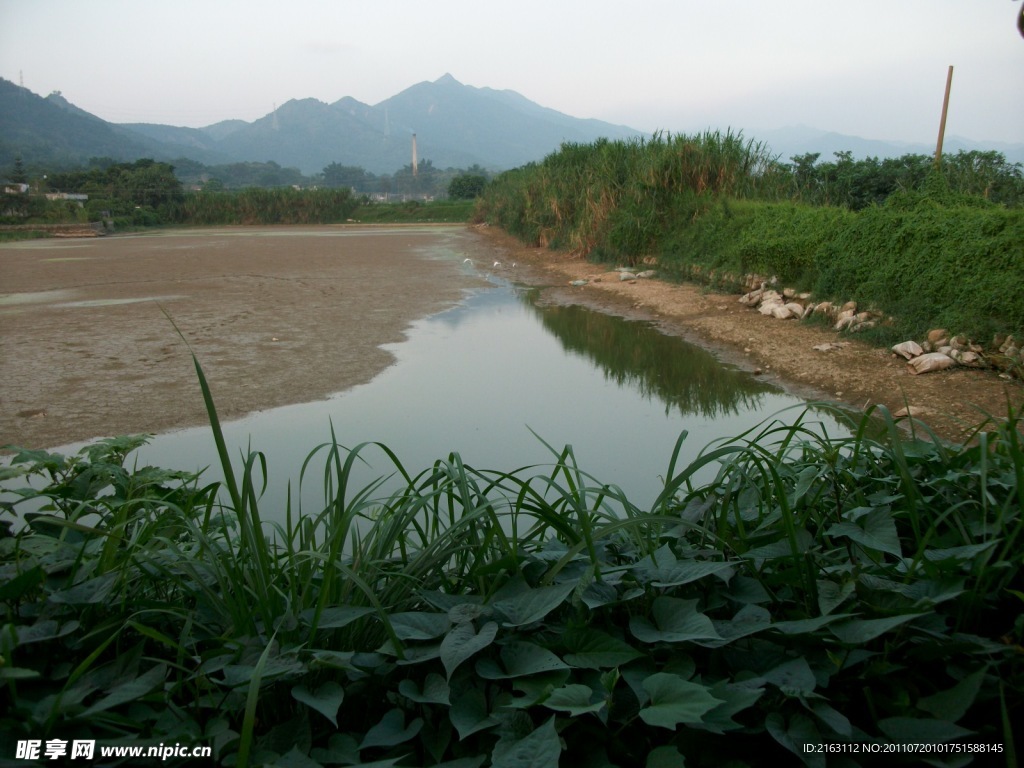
710 206
255 205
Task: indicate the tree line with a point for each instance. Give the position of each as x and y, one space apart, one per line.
149 193
427 182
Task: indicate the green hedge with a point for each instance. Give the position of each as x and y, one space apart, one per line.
931 264
955 263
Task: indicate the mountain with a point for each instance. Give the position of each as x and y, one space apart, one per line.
52 131
456 126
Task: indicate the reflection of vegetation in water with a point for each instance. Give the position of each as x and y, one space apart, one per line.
681 375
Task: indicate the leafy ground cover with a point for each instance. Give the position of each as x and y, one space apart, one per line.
845 591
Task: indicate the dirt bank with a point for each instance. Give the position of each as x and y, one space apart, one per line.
276 316
951 402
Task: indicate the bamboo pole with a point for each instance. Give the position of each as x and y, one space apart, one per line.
942 123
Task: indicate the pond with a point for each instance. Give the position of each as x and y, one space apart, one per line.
500 378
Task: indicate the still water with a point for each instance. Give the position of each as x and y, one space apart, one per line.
493 379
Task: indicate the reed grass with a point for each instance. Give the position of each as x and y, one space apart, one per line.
718 209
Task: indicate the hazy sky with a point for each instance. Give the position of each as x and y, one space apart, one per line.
872 68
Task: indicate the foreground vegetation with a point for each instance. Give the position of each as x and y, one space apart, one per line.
819 591
929 247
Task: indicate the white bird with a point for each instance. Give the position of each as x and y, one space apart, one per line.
467 261
497 263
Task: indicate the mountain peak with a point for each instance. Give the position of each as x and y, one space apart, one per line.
457 126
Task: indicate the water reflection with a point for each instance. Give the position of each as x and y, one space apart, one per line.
485 379
635 355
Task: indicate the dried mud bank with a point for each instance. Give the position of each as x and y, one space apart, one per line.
276 316
811 361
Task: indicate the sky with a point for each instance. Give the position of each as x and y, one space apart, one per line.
870 68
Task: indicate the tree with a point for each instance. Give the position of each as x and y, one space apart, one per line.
347 176
466 186
18 175
148 182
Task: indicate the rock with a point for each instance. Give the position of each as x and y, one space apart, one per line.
781 312
850 306
937 334
578 283
908 349
824 308
769 301
959 342
911 410
623 276
845 319
933 361
1004 363
797 310
646 274
828 347
965 357
788 293
863 326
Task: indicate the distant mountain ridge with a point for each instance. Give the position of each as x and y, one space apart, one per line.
456 126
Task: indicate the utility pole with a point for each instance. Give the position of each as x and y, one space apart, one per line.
414 155
942 123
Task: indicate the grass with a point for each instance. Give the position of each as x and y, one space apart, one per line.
847 591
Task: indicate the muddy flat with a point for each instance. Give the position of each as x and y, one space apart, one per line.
275 315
